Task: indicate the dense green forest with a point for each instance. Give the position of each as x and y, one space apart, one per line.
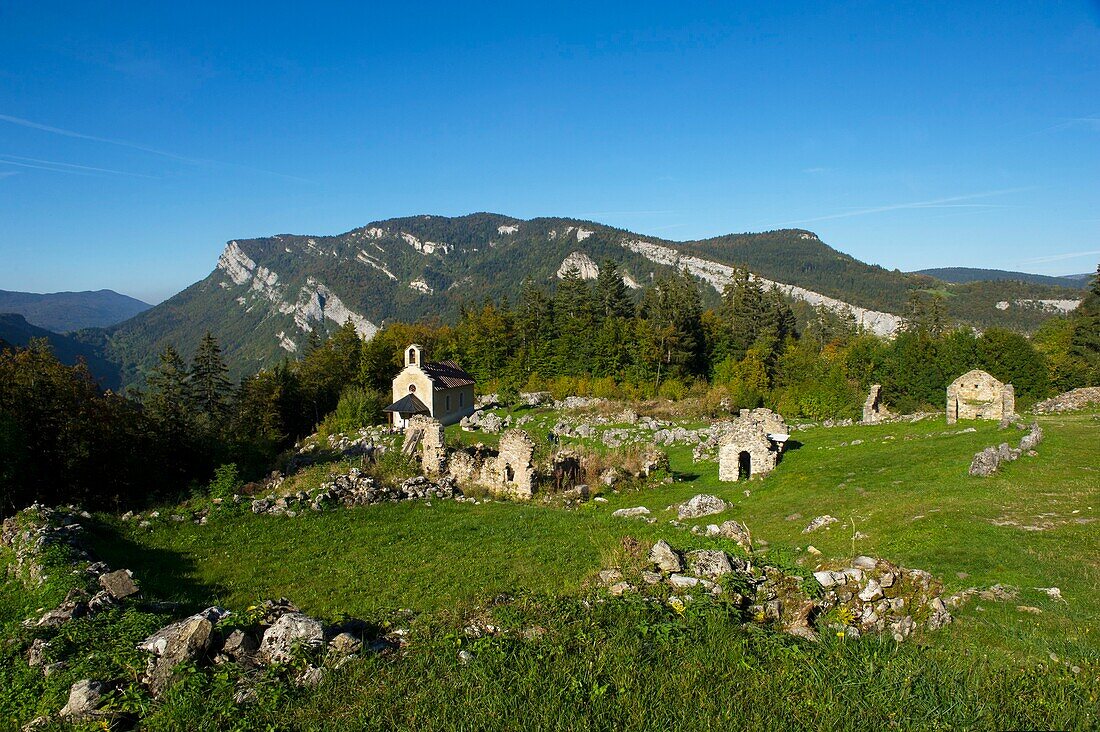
65 439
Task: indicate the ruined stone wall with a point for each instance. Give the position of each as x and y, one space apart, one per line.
433 451
512 472
873 409
977 395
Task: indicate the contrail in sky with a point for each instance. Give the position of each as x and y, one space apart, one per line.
950 202
136 146
60 167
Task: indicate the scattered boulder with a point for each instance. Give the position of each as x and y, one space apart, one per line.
738 532
700 505
665 558
188 640
289 634
635 512
119 584
85 698
709 563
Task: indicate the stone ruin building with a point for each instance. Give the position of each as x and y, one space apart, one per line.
512 472
509 471
874 411
977 395
752 445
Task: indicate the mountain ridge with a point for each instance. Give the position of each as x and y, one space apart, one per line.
68 311
964 275
265 295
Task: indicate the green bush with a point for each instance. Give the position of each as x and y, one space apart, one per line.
358 407
227 481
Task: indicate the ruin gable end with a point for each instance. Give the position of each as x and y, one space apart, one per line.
977 395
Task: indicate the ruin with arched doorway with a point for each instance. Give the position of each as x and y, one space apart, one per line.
751 446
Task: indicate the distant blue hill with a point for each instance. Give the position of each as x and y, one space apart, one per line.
16 331
963 275
63 312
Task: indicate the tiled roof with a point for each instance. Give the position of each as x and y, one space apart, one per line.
408 404
447 375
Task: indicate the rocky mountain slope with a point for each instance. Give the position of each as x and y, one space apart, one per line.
63 312
266 295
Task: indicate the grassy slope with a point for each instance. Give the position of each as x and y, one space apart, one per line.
910 496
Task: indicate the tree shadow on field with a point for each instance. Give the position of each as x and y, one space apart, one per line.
163 575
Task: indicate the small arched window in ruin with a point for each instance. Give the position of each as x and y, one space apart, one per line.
412 355
412 388
509 474
744 466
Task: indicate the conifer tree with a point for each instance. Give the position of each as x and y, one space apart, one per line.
169 396
210 386
612 298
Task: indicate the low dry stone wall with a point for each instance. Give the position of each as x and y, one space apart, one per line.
989 460
356 489
1069 401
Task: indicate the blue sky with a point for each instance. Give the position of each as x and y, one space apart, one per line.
136 139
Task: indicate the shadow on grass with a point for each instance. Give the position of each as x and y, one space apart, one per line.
790 445
162 575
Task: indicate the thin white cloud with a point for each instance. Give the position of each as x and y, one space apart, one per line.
950 202
136 146
625 213
1091 123
1060 257
59 167
8 173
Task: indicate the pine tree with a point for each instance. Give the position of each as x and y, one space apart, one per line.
169 396
612 298
210 386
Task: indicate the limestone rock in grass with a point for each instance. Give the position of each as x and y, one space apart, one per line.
491 423
700 505
651 578
682 582
239 644
738 532
311 677
159 642
610 576
619 588
36 654
872 592
62 614
345 644
865 563
818 522
796 619
635 512
189 642
665 558
709 563
85 698
119 584
290 633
